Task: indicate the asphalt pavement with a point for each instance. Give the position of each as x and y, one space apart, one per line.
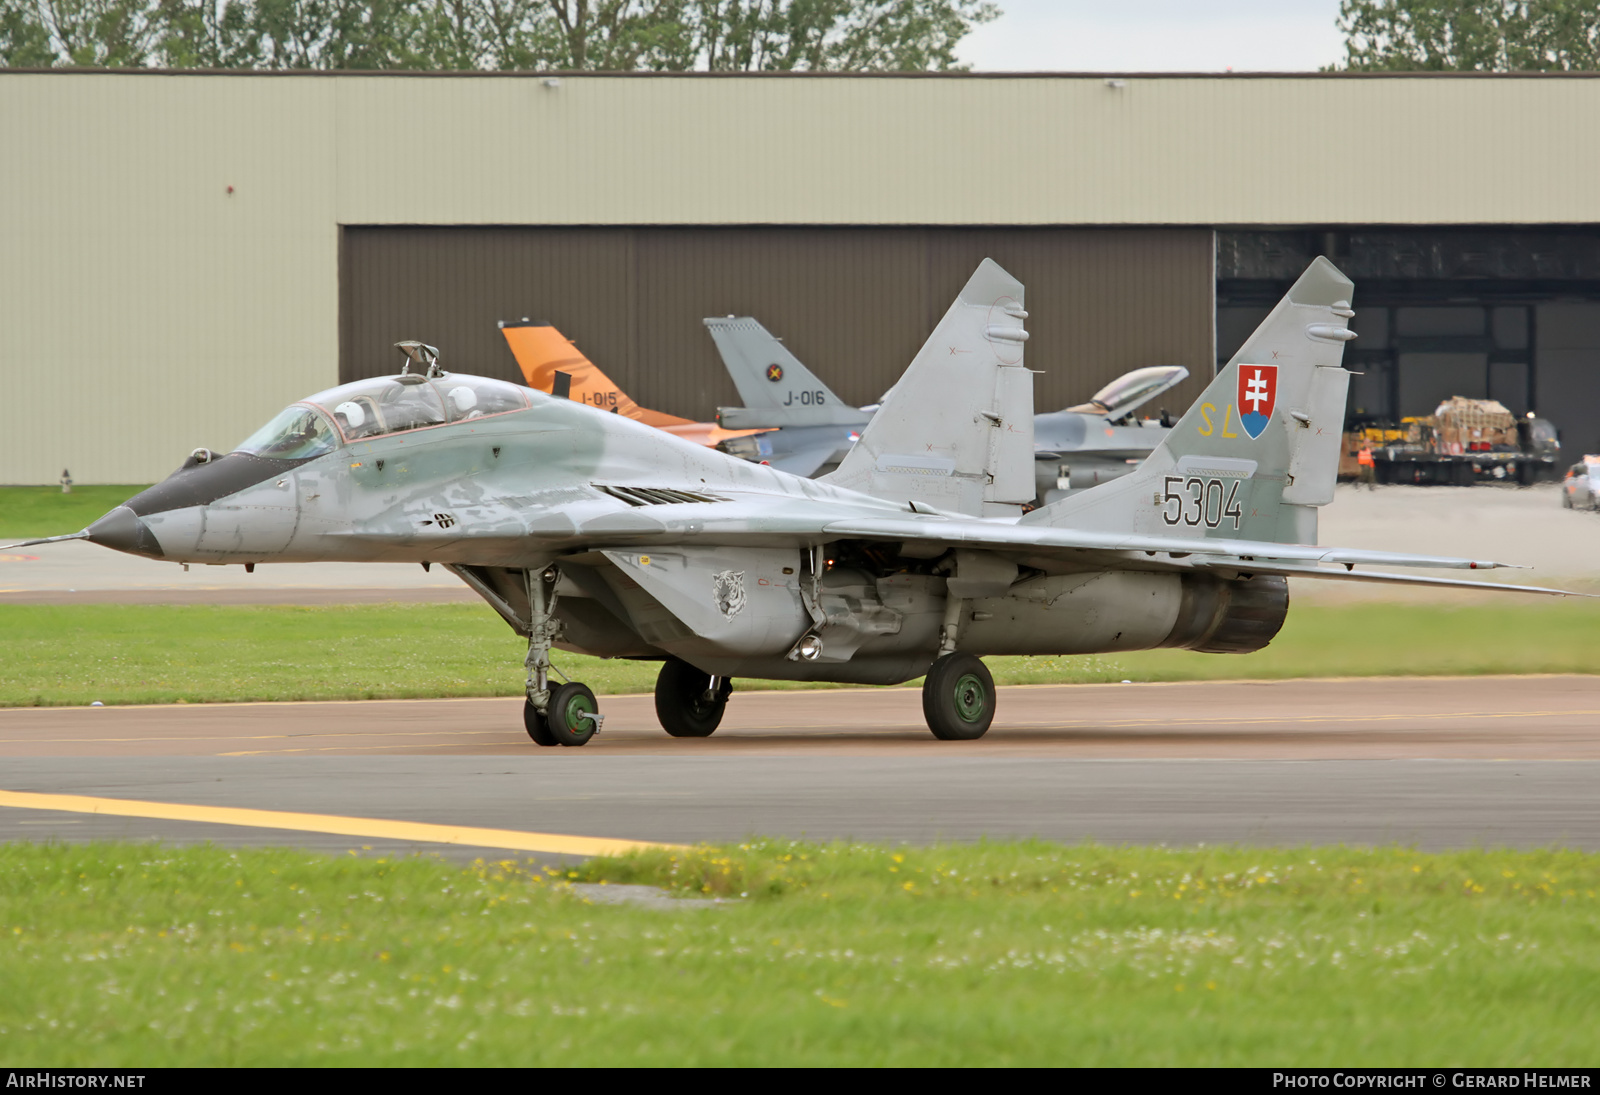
1431 763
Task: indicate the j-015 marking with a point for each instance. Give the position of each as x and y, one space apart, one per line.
1201 500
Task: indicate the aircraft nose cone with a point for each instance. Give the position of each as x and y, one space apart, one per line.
122 530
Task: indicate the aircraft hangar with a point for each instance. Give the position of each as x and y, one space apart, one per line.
184 253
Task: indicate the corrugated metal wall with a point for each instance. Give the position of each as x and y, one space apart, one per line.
855 304
1296 148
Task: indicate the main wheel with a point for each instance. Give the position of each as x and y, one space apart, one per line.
958 698
685 704
569 707
537 725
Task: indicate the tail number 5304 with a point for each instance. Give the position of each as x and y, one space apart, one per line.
1201 500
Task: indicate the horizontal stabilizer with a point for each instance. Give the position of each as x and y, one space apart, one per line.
805 462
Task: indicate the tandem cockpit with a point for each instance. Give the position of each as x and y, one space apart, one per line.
416 399
365 409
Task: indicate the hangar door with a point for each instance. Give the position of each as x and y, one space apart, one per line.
854 304
1511 314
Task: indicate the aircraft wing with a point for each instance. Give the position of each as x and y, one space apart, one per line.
1298 560
1289 570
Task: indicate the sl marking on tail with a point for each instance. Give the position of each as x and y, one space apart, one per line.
1258 397
1226 418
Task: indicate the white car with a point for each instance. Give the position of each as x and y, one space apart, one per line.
1581 487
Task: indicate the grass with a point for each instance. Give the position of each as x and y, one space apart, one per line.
1013 954
33 512
128 654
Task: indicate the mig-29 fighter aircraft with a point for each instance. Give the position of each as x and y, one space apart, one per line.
591 532
809 428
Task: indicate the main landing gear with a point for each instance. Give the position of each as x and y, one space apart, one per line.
690 703
569 715
958 698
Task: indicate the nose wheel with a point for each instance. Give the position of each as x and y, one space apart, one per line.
537 726
574 716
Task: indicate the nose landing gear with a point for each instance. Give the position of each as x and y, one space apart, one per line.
569 715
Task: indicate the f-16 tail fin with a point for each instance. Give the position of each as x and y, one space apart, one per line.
957 433
776 388
1259 450
550 362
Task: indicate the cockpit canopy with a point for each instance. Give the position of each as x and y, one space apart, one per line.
1131 390
377 407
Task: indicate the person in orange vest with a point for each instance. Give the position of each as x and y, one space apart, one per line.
1369 467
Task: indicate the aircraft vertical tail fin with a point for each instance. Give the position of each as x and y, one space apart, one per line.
1259 450
957 433
551 362
776 388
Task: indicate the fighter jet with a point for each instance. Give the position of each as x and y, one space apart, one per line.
811 428
588 531
551 362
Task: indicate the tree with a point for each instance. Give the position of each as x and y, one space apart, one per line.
834 35
578 35
24 42
1471 35
101 33
208 34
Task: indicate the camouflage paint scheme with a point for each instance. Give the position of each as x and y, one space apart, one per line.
590 531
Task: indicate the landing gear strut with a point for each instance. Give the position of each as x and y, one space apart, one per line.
958 698
690 703
569 715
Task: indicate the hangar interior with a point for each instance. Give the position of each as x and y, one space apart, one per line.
1507 314
854 303
1511 314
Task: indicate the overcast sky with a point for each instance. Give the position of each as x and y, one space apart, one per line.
1157 36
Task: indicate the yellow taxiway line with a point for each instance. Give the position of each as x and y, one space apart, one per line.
370 828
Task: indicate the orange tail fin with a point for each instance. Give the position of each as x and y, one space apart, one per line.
545 355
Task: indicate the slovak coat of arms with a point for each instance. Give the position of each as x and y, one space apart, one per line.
1258 396
727 586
